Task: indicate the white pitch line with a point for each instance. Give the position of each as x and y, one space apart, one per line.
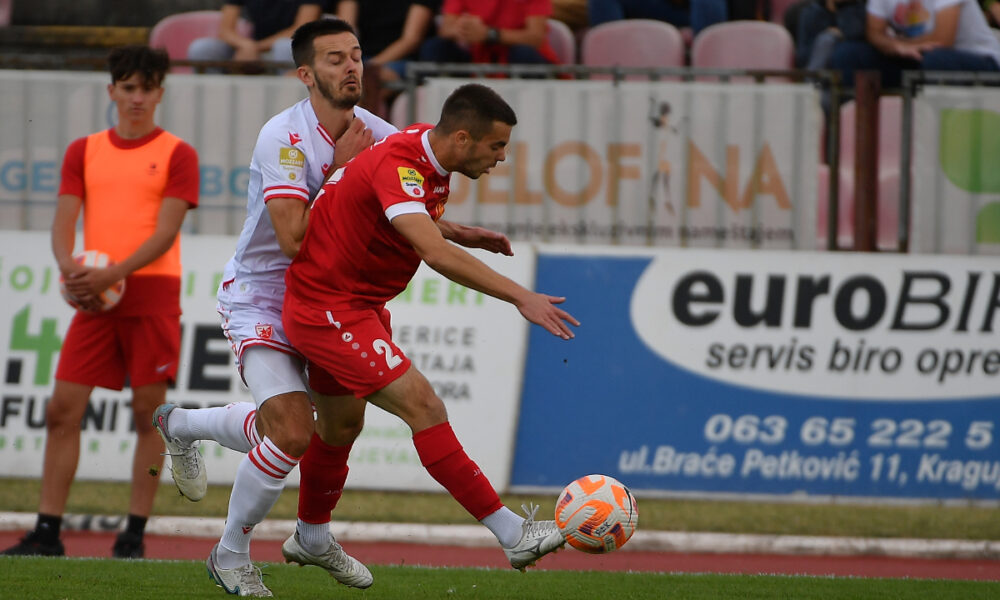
478 536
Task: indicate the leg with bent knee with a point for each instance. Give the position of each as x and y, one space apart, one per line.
322 475
411 398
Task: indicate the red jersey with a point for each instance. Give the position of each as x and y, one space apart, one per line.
352 256
502 14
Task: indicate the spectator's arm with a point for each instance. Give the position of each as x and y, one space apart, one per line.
877 33
348 11
473 30
228 31
448 28
418 22
305 14
533 34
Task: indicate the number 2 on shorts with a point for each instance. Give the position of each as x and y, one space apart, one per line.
382 347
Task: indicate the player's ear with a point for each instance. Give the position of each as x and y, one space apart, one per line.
304 74
462 138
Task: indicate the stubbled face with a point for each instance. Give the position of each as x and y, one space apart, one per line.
477 157
135 97
337 69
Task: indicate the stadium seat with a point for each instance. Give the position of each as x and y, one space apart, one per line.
176 32
562 41
632 43
743 45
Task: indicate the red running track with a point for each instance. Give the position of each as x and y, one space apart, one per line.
91 544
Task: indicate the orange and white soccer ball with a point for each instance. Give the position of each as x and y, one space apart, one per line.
110 297
596 514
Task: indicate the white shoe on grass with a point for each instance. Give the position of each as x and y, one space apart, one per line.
340 565
538 538
186 464
241 581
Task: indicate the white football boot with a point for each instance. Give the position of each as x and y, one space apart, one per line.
538 538
186 464
340 565
241 581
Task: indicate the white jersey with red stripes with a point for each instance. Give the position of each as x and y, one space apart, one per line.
290 160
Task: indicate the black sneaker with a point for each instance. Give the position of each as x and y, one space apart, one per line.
34 544
128 545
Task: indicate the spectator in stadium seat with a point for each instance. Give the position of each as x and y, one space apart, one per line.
491 31
135 183
390 31
933 35
698 14
273 23
821 24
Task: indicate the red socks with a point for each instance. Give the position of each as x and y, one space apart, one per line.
442 455
322 473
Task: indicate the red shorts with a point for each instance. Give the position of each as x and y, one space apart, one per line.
349 351
101 349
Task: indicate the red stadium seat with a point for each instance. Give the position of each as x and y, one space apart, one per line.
562 41
743 45
176 32
633 43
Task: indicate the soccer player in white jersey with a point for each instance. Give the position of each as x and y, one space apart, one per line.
295 151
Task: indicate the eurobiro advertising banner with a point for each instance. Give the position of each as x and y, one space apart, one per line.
717 372
469 346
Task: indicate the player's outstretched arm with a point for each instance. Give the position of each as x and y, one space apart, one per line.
465 269
475 237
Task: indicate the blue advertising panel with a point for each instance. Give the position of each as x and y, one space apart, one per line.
715 371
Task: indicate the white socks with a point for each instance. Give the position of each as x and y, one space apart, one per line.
505 525
233 425
259 481
313 537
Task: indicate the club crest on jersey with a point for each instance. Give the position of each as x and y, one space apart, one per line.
412 182
264 332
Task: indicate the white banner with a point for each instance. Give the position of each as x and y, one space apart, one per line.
220 115
469 346
956 177
649 163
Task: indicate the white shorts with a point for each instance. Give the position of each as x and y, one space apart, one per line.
251 321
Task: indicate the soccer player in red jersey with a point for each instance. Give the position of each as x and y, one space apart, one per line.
370 227
135 182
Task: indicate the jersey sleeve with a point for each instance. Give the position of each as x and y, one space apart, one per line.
399 185
183 176
71 181
282 165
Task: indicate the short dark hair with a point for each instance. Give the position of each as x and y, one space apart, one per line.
303 52
474 107
150 63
